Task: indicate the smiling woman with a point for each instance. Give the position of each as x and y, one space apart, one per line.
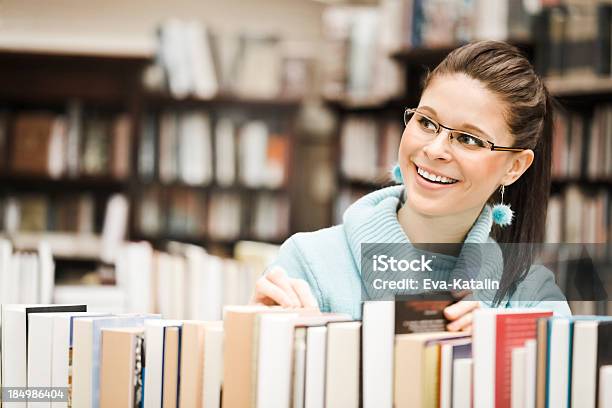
483 125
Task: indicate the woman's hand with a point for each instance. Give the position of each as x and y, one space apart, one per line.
460 314
276 288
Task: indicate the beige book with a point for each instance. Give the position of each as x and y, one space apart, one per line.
118 366
240 352
193 340
171 362
411 388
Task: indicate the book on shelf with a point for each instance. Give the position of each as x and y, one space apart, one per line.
26 276
199 63
72 143
574 39
368 147
270 356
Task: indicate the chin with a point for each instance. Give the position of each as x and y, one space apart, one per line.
429 208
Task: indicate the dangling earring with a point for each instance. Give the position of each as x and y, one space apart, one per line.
502 214
396 174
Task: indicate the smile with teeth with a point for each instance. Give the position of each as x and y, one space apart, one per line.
435 178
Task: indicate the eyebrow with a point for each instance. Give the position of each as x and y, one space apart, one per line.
466 126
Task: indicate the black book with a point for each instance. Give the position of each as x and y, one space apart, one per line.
422 313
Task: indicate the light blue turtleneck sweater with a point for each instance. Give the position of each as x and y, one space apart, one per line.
330 259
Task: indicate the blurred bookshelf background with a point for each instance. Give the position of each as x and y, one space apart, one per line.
153 155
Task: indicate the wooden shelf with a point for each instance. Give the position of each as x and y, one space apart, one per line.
237 188
64 245
222 100
348 104
431 56
580 86
26 182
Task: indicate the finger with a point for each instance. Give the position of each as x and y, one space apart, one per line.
302 289
266 291
467 329
456 310
279 277
461 323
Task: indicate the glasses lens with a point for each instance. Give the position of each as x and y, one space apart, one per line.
469 142
422 122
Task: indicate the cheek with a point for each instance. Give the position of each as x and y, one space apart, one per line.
408 147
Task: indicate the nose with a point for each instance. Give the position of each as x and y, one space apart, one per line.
439 147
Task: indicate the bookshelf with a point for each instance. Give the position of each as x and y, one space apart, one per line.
107 87
583 97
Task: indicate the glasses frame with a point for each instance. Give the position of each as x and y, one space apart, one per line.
440 126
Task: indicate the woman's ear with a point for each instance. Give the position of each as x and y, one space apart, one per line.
519 163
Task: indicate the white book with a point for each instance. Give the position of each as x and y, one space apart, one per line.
558 367
40 344
6 253
517 393
46 271
314 395
342 368
205 84
253 153
86 355
584 364
446 375
530 373
213 367
225 152
63 324
299 367
491 20
605 386
154 359
14 341
195 148
115 227
133 271
274 359
205 274
462 383
174 57
378 341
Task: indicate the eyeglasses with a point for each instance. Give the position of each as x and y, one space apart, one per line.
428 129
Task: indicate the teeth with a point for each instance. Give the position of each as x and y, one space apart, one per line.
433 177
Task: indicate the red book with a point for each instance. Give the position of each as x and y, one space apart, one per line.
496 333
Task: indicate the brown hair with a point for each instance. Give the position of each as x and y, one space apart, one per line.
529 115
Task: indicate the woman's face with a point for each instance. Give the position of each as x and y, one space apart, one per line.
463 103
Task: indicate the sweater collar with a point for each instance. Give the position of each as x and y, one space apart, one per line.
373 219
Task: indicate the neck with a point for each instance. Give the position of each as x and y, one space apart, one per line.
450 229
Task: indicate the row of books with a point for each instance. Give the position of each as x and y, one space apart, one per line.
574 38
260 356
26 276
444 23
74 143
582 145
219 215
356 60
187 147
195 62
35 212
579 216
186 282
77 212
368 147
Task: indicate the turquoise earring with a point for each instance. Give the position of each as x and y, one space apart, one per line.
502 214
396 174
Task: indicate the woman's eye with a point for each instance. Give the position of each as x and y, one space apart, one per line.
470 140
427 124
